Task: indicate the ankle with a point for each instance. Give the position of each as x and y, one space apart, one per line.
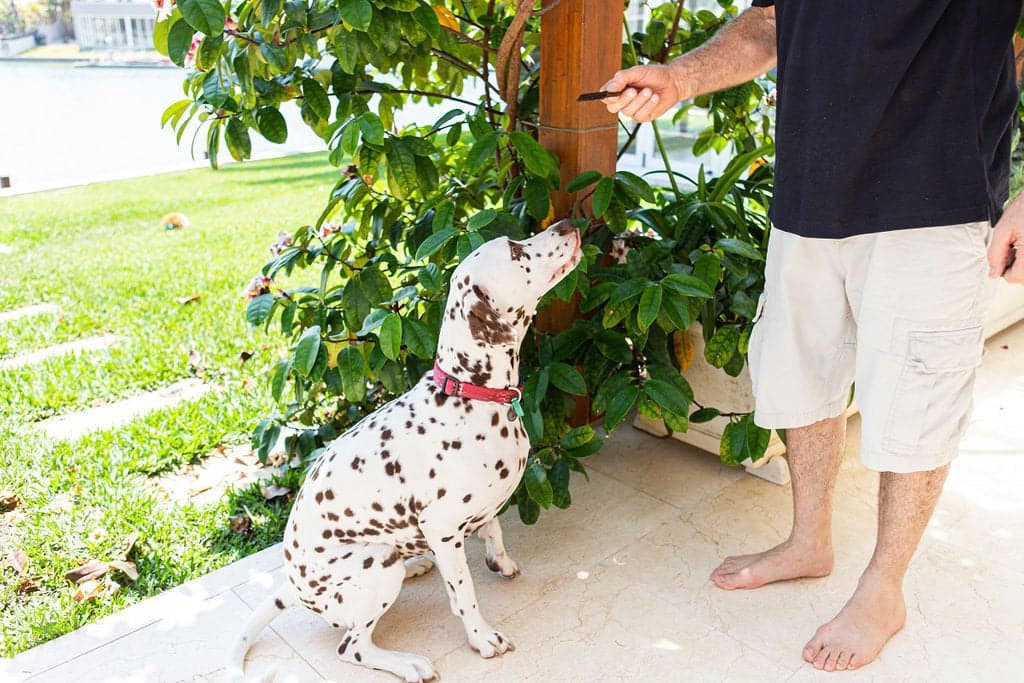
817 542
880 581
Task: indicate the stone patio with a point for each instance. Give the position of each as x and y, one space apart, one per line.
616 588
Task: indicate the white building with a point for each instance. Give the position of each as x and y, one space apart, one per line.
113 24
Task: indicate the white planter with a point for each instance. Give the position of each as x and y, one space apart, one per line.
712 387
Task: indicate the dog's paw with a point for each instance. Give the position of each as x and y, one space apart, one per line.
490 643
418 566
503 565
416 669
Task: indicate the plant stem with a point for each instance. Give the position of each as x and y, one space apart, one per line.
664 158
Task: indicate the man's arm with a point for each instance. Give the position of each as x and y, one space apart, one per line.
743 49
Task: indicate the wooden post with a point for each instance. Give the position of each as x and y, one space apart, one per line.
580 49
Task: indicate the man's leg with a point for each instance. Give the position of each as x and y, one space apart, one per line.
877 610
814 453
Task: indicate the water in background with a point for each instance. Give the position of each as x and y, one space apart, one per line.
65 125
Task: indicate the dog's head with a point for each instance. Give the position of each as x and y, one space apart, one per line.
495 290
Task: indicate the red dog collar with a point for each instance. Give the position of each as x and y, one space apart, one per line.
454 387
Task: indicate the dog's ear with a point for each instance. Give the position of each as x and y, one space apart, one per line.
485 323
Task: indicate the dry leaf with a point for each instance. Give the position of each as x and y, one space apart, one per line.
274 491
248 383
93 589
127 568
129 545
240 524
244 356
9 501
18 559
29 585
87 571
182 300
197 362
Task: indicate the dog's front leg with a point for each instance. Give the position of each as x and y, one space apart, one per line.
495 556
450 556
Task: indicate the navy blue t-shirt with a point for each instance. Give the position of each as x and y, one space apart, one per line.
892 114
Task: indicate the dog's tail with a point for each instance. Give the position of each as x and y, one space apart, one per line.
258 620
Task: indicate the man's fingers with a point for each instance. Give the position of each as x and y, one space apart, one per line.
999 251
649 111
617 104
638 104
1015 274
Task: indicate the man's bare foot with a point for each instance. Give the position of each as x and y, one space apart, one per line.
783 562
875 613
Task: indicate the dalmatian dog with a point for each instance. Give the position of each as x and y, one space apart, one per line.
417 476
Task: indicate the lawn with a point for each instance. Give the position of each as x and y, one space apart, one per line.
99 254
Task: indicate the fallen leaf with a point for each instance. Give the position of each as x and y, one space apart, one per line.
9 501
18 559
240 524
127 568
29 585
244 356
129 544
87 571
197 362
93 589
182 300
248 383
274 491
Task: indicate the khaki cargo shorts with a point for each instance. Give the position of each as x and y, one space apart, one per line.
898 312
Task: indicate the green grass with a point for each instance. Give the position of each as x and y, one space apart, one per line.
99 253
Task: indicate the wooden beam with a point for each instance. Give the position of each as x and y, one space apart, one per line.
580 49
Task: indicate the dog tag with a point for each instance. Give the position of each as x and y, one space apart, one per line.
516 410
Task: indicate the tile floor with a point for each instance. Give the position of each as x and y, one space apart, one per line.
616 588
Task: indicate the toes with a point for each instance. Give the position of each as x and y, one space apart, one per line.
855 662
819 661
843 661
830 661
811 650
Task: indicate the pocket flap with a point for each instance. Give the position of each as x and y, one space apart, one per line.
948 350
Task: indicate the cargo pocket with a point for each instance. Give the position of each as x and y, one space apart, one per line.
932 399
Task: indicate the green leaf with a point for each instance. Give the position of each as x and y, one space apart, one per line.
482 149
708 268
237 136
206 16
687 285
258 309
179 41
585 179
577 437
375 285
425 17
667 396
269 11
160 31
537 159
537 485
271 124
402 176
481 219
390 336
674 422
619 405
353 373
650 304
356 13
635 185
704 415
529 511
430 277
419 339
371 128
174 111
567 378
742 440
740 248
279 378
535 192
558 475
722 346
306 350
602 196
316 98
434 242
613 346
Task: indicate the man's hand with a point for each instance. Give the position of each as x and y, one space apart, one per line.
647 92
1008 244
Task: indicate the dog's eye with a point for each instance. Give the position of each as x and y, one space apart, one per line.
517 251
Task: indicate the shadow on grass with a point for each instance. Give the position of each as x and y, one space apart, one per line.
321 176
307 160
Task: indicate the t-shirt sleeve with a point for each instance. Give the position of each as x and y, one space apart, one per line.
762 3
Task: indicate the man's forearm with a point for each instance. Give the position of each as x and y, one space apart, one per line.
743 49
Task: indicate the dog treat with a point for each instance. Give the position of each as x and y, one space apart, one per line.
599 95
